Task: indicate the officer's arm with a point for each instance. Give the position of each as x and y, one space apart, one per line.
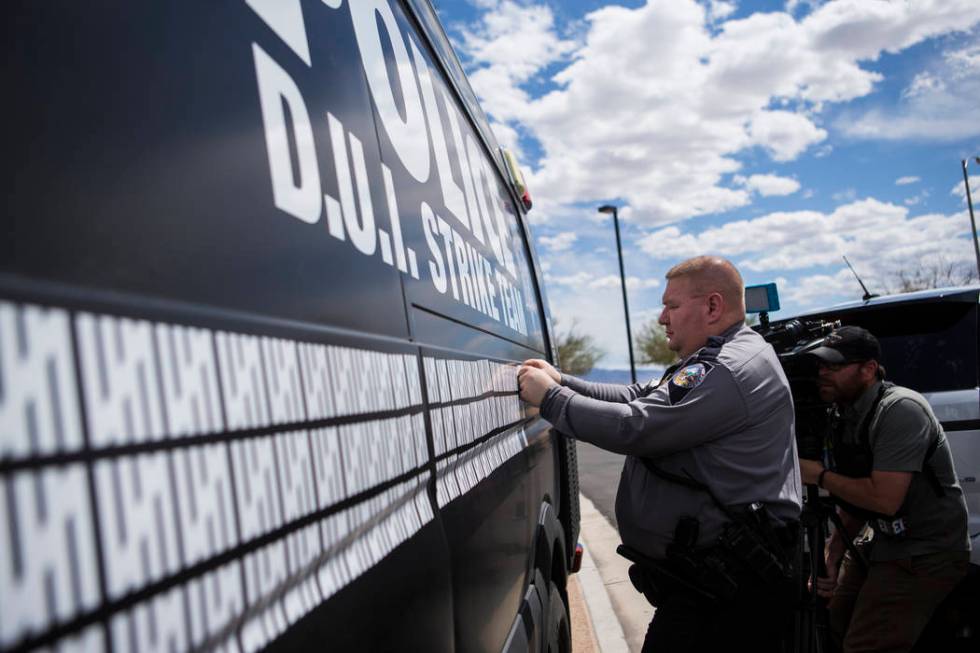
655 425
603 391
901 440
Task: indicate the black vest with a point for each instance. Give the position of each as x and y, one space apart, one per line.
856 459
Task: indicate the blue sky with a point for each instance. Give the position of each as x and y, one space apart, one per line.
781 135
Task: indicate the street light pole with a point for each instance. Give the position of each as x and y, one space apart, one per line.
608 208
969 203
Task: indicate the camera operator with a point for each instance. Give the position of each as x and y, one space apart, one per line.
890 468
710 493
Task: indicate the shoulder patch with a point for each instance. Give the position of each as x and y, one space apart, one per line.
686 379
690 376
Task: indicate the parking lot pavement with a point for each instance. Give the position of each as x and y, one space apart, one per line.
619 615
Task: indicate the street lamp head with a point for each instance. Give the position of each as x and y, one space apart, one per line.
607 208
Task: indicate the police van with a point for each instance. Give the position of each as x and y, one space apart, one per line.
929 342
265 277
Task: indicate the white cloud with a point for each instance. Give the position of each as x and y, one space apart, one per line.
918 198
588 281
959 190
632 283
810 290
559 242
938 104
880 237
507 136
517 41
785 134
846 195
905 181
769 185
651 105
720 9
923 84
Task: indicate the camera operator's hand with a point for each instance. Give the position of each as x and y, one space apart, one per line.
834 554
544 366
827 584
810 470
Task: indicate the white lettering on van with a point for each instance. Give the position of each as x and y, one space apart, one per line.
462 158
436 266
447 237
362 232
463 270
483 181
452 195
277 92
491 289
285 18
502 233
478 207
409 136
418 106
395 218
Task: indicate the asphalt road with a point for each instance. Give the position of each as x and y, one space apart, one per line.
598 477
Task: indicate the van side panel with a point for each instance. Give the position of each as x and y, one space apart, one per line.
143 165
208 480
263 293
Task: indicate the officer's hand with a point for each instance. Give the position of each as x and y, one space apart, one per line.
533 383
544 366
810 470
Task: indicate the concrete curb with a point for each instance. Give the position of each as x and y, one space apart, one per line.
605 624
620 615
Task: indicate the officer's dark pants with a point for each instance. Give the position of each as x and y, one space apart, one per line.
755 621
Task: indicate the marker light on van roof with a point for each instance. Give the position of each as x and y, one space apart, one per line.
517 178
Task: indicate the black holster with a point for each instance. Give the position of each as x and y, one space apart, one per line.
702 580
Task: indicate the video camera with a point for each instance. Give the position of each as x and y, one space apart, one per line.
791 340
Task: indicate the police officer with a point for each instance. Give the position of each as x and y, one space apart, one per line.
890 468
713 437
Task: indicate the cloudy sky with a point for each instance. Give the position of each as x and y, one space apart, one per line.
781 135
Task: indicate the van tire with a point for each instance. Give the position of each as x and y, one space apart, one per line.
558 631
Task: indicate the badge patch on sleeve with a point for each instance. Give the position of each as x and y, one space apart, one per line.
686 379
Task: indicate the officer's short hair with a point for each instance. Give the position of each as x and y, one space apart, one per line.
713 274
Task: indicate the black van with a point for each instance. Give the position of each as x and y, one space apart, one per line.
929 342
264 280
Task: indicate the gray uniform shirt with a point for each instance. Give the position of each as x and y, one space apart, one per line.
724 416
900 433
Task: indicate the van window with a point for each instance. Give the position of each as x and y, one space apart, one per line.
931 347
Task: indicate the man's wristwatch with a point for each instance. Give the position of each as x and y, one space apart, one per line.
820 478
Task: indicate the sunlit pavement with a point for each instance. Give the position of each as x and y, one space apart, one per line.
617 613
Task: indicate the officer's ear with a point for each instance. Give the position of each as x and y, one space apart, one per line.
716 306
